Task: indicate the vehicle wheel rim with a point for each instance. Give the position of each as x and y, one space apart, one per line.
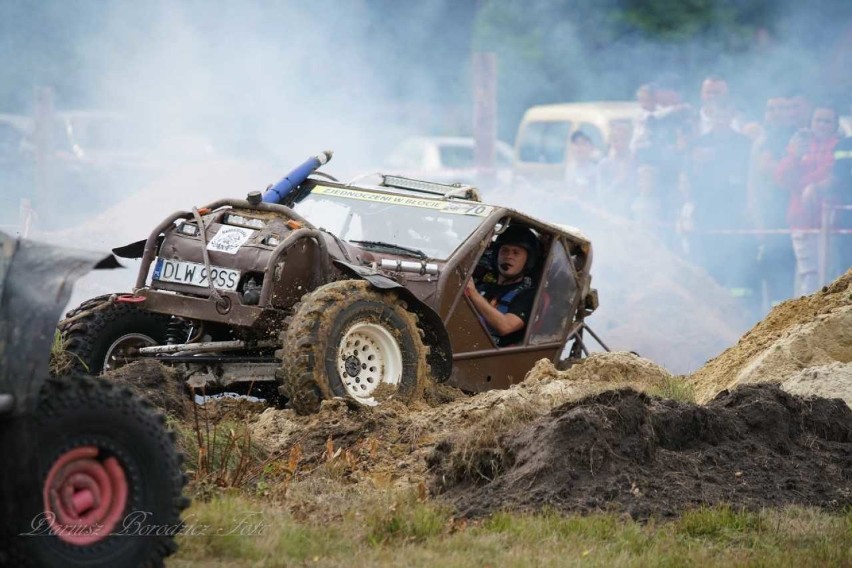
118 354
84 496
369 356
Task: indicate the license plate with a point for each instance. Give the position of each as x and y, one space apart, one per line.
195 274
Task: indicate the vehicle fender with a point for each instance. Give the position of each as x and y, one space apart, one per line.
135 250
440 356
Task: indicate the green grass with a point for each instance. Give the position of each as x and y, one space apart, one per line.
401 529
675 388
405 519
61 360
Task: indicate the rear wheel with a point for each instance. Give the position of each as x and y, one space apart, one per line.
347 339
101 335
110 477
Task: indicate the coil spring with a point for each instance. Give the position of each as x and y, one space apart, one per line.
177 331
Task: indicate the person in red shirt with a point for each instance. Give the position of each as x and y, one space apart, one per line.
805 172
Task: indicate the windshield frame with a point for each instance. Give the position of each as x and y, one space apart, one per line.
358 198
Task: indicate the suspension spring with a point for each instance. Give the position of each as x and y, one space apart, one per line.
177 331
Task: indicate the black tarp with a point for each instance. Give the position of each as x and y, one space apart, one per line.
35 284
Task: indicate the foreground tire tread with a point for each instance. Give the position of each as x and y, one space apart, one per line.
86 340
80 410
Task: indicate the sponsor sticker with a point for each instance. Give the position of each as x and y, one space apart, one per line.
229 239
454 207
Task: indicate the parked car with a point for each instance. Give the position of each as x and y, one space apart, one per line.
445 159
543 139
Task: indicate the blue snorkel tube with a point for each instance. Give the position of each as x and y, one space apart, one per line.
278 193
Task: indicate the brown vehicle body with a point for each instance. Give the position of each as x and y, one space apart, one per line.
302 258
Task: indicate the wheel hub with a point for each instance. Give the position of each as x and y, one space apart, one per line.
368 356
122 350
353 366
84 496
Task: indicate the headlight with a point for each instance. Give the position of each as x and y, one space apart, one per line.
240 220
190 229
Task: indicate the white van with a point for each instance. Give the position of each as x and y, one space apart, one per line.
543 140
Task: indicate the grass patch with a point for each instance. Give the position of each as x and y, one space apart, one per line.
675 388
407 518
402 529
61 361
718 523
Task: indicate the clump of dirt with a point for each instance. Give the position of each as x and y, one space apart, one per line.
163 386
613 368
217 409
811 331
625 451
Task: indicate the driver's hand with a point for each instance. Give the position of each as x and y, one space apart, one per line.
470 288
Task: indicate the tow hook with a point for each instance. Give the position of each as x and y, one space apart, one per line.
130 299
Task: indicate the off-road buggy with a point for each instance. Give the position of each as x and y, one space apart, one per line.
327 289
89 476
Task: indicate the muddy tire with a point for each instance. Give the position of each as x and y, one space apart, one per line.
94 342
108 475
349 340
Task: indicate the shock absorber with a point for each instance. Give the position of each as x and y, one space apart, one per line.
177 331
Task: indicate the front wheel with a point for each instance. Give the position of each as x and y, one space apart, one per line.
347 339
101 335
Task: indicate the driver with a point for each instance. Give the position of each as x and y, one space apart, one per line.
504 297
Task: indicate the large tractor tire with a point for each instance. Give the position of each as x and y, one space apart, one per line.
109 479
98 334
347 339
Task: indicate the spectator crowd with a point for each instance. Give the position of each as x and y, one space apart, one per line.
747 200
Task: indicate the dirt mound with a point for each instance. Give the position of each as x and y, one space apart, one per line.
614 368
400 438
625 451
811 331
161 385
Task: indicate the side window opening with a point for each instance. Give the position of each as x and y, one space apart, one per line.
487 260
557 295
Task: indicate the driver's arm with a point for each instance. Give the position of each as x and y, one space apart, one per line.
502 324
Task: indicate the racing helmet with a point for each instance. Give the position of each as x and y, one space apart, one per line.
521 236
